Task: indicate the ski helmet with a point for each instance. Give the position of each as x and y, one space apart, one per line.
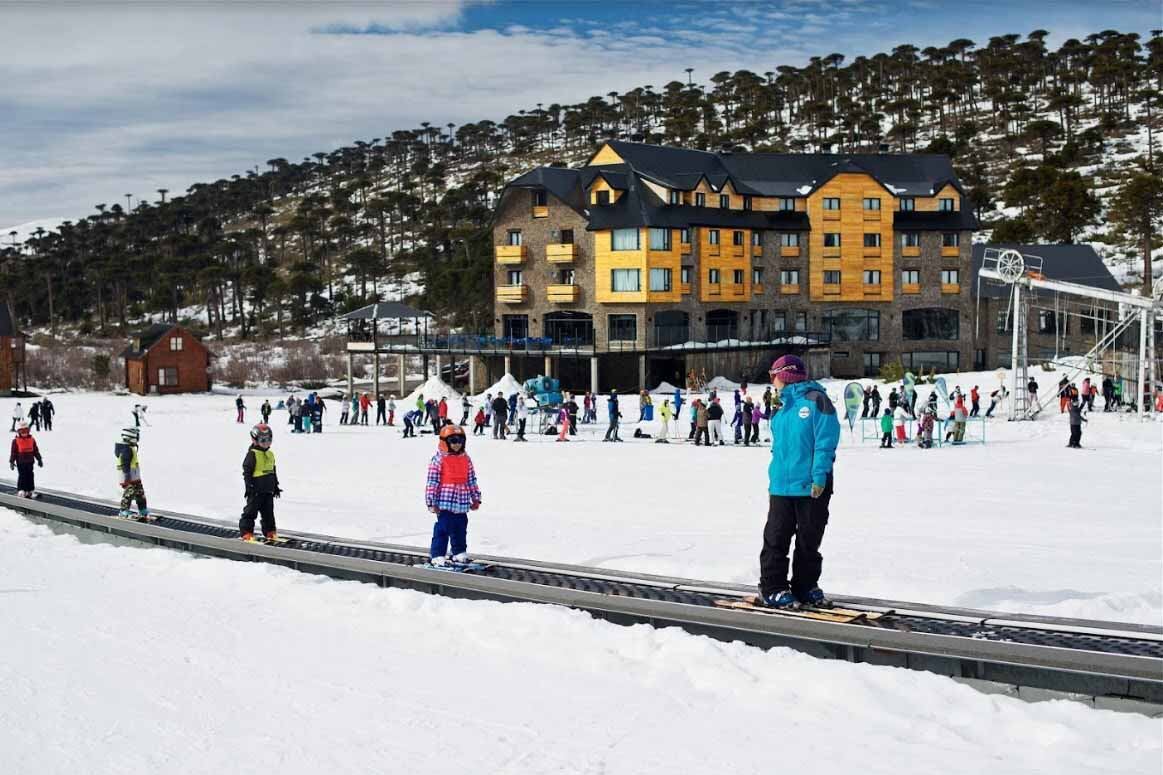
261 435
130 435
451 434
22 428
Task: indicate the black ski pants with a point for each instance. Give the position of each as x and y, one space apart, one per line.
260 503
521 429
380 416
1075 436
803 518
702 436
25 479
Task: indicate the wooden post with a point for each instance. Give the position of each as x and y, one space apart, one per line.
594 374
376 380
400 375
350 381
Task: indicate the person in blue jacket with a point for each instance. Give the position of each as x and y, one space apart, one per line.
805 431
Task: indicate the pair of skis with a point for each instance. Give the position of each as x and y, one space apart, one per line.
456 567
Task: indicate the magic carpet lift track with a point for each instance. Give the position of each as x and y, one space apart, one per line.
1107 664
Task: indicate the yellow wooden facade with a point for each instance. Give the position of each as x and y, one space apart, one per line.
606 259
606 155
728 258
851 222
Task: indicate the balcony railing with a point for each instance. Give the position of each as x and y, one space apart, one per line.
563 293
510 254
561 253
512 294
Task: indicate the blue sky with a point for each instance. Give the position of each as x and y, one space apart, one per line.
103 100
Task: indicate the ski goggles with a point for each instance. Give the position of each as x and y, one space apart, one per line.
455 439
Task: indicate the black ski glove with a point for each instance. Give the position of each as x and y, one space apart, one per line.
277 493
40 463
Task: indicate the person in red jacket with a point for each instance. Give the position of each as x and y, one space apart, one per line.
975 398
442 411
24 454
364 404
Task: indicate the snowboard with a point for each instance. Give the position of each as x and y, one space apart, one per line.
137 518
257 539
456 567
838 615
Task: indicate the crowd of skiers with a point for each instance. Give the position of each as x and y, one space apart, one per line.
40 414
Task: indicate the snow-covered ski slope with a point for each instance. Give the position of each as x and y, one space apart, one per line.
126 660
1019 524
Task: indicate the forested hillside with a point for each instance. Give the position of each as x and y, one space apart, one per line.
1054 145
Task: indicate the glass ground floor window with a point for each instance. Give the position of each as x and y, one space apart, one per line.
941 360
872 364
515 326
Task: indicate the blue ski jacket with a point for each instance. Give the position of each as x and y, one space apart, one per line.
804 434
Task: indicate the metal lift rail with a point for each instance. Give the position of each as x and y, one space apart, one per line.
1106 664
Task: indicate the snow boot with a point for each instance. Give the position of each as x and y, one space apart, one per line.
461 558
817 599
439 562
781 599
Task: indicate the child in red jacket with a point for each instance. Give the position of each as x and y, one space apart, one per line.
479 423
451 491
24 454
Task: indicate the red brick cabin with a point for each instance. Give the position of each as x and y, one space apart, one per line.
12 376
166 359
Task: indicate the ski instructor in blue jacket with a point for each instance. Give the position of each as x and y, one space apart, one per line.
804 431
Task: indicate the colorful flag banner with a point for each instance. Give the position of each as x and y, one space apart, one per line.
853 400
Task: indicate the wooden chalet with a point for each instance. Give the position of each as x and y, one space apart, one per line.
166 358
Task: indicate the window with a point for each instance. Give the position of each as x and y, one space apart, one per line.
756 239
660 279
736 238
832 239
945 205
872 277
872 240
910 276
624 239
852 325
569 328
911 239
789 277
801 321
831 203
540 199
908 204
1046 321
684 275
872 364
684 236
514 276
565 277
871 203
176 344
757 275
724 201
840 355
625 280
713 276
779 320
713 236
567 236
938 361
660 239
515 326
930 323
789 240
737 276
832 277
746 201
1003 322
675 197
701 200
514 237
167 376
787 203
623 328
950 239
603 197
950 277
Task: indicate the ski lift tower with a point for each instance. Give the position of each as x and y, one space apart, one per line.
1023 274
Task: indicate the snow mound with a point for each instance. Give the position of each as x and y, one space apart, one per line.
722 383
506 386
664 388
435 388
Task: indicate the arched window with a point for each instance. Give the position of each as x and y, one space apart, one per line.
722 324
671 327
930 323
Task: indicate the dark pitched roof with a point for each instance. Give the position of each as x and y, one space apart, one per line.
1069 263
798 174
385 310
146 339
562 182
7 327
913 220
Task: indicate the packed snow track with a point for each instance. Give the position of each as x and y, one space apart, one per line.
1108 664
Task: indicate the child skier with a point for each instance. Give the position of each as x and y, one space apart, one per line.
450 493
241 407
479 423
262 484
410 420
129 475
24 454
886 430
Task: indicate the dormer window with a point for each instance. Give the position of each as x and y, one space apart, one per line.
603 198
787 204
724 201
945 205
675 197
700 200
908 204
540 198
746 202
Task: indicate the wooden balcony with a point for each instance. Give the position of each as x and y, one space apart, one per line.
831 215
911 288
756 289
510 254
912 251
789 251
563 294
950 252
831 252
561 253
872 252
685 247
738 251
684 288
757 251
712 250
950 288
872 215
512 294
789 289
540 212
